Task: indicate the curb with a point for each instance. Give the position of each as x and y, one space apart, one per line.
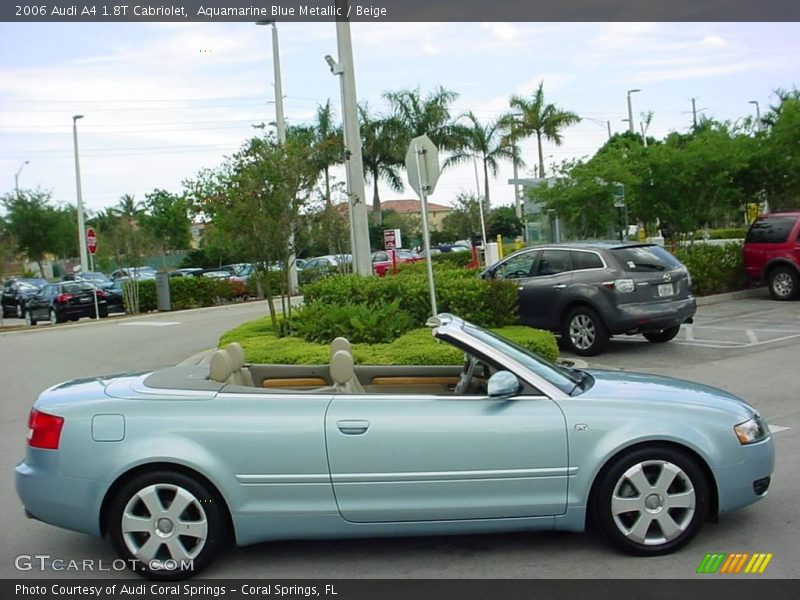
741 294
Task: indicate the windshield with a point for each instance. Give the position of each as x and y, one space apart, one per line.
96 277
562 378
637 259
76 287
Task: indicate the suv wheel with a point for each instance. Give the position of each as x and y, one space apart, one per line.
20 312
584 332
29 320
783 283
663 335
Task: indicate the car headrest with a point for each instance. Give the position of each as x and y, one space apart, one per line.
341 367
341 343
220 368
236 354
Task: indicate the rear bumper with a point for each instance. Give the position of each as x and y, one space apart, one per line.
82 310
638 318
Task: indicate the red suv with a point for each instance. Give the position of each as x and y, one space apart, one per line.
772 253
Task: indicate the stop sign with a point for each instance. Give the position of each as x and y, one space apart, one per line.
91 241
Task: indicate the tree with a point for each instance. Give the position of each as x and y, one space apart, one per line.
328 146
425 116
33 223
464 219
503 221
167 220
486 144
382 156
536 117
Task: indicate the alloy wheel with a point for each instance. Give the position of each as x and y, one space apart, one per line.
53 317
164 522
20 312
653 502
783 285
582 331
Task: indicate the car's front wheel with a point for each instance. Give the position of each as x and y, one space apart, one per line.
29 319
54 317
20 310
166 525
784 284
651 501
584 332
663 335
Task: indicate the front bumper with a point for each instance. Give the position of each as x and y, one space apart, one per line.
68 502
650 316
746 482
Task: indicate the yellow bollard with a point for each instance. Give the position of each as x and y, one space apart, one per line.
518 243
500 245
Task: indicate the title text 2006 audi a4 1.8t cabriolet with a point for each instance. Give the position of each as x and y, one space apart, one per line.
171 464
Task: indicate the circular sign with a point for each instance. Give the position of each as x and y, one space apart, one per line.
91 241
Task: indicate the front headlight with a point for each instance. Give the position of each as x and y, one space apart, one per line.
751 431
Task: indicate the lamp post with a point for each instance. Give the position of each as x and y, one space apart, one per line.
16 177
280 126
81 225
604 124
758 113
631 126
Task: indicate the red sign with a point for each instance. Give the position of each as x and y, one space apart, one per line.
91 241
391 239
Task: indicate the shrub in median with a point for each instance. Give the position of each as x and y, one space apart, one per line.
714 269
190 292
322 322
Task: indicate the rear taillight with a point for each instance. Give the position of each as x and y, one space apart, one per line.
44 431
63 297
100 294
623 286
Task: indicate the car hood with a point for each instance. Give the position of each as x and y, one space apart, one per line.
644 387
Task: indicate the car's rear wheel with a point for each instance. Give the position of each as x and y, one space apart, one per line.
166 525
29 319
784 283
20 311
651 501
54 317
584 332
663 335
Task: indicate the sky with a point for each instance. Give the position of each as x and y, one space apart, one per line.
162 101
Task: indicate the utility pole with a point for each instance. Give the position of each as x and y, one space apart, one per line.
352 134
16 177
758 113
608 124
81 225
280 126
694 113
631 126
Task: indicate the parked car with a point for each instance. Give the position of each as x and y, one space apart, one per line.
101 280
324 266
16 293
506 442
772 253
590 291
65 301
141 273
115 296
187 272
442 248
243 270
382 260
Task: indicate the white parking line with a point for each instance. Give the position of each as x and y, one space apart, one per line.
777 428
751 335
150 323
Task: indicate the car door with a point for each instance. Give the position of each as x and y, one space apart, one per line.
397 457
541 296
38 305
520 269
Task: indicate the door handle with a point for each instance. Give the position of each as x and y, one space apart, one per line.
353 427
559 286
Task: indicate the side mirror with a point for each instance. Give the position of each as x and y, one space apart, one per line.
503 384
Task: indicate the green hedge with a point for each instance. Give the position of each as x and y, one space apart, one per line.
730 233
190 292
416 347
488 303
714 269
321 321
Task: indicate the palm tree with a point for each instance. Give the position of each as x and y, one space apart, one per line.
381 154
328 145
486 144
535 117
425 116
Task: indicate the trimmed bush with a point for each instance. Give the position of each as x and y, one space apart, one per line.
488 303
714 269
730 233
321 322
416 347
190 292
456 259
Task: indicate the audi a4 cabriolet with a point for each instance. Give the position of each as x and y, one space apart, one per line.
172 464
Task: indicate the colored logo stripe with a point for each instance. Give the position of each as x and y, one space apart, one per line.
758 563
722 562
711 562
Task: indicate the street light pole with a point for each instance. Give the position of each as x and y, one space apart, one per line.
16 177
352 135
631 126
758 113
81 224
280 126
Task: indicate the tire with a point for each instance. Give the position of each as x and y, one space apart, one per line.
203 516
674 509
784 283
662 336
584 332
20 311
54 320
30 321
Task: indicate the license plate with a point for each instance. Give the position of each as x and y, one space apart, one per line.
85 299
665 289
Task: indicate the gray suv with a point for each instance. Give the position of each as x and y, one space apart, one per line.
590 291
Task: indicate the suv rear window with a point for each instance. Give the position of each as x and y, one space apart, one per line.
770 230
645 259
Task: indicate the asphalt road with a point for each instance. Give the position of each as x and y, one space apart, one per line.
749 347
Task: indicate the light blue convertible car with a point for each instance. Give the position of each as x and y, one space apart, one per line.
173 463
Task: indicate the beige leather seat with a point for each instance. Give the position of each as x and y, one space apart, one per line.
342 373
240 374
220 368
